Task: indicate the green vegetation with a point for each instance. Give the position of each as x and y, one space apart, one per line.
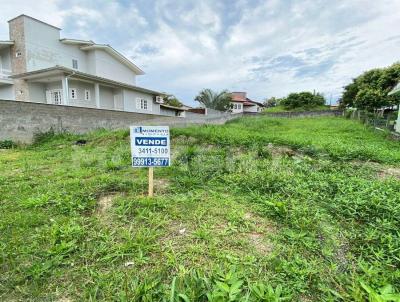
214 100
280 108
7 144
369 91
170 99
330 136
306 100
259 209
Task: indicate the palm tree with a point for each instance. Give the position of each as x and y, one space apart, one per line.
213 100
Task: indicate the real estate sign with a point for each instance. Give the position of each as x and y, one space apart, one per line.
150 146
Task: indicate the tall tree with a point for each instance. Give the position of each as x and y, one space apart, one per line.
214 100
369 91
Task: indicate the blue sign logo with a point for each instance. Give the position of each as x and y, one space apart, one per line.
138 130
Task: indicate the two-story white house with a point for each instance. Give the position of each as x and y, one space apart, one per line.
240 103
36 65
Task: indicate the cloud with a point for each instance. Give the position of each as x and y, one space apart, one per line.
269 48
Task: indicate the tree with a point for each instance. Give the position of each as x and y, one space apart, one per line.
172 100
369 91
303 100
271 102
214 100
369 99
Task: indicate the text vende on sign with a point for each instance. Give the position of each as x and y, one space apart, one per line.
150 146
151 141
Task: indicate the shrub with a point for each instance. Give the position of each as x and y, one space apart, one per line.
303 99
7 144
42 137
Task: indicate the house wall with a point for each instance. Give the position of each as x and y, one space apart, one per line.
80 96
18 64
237 110
104 65
167 111
37 92
7 92
130 102
106 97
118 99
20 120
44 49
53 85
252 109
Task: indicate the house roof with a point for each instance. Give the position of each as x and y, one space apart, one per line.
242 98
90 45
37 20
76 42
396 89
80 75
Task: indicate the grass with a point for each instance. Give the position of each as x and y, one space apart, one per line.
337 138
255 210
278 109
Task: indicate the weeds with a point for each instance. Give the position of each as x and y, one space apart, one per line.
7 144
335 224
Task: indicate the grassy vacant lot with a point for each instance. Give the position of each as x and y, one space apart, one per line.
259 209
300 109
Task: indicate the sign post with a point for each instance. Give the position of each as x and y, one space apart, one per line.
150 146
151 182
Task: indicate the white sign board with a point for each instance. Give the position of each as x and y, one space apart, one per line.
150 146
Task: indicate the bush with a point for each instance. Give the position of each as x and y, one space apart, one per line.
7 144
42 137
303 99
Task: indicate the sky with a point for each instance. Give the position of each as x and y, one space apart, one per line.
266 48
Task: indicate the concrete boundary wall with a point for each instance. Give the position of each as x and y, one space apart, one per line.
19 121
304 114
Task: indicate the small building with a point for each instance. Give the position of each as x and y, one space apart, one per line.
36 65
242 104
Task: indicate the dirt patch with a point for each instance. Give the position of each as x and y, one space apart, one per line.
281 151
258 238
105 203
260 223
389 172
161 185
258 241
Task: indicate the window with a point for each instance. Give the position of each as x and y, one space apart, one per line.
239 106
87 95
74 64
142 104
73 94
